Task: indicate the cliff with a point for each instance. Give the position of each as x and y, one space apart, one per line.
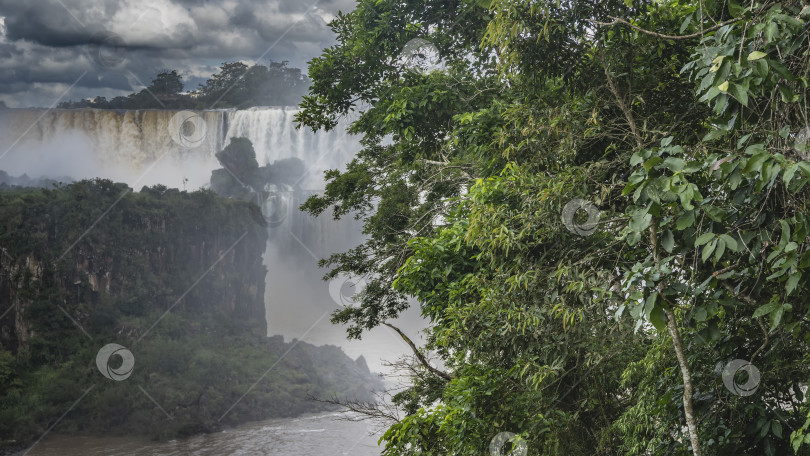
176 279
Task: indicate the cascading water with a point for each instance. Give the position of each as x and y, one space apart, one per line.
150 146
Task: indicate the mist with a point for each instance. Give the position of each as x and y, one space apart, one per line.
146 148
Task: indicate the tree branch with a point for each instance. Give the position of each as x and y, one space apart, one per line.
699 34
628 115
366 409
742 297
419 354
764 342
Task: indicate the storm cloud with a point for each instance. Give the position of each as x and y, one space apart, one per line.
55 50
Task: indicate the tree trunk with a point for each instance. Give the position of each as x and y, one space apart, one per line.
688 410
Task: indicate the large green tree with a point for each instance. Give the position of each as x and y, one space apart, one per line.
683 124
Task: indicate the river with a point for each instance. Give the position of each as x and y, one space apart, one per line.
309 435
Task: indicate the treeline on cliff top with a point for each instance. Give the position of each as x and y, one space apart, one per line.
236 85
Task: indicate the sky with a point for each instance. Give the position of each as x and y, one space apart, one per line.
57 50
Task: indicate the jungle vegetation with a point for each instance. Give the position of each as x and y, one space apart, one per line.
679 126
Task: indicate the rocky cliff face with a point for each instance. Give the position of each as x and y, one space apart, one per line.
151 251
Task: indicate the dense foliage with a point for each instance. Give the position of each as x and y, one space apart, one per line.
236 85
683 125
161 273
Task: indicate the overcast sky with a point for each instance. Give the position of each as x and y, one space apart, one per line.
55 50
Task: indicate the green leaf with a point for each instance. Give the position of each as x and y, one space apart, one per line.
776 428
715 213
685 23
805 167
668 241
708 249
754 149
787 94
704 238
789 172
649 303
740 93
767 309
756 55
781 69
658 318
651 163
693 166
685 221
771 31
640 221
700 313
785 233
721 249
675 164
742 140
754 163
734 8
763 431
776 317
731 243
792 282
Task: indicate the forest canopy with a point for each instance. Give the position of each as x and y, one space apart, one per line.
599 206
236 85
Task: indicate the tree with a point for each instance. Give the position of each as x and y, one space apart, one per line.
167 83
681 123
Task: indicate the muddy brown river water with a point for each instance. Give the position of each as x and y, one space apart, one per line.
311 435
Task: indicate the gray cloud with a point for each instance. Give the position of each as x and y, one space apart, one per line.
48 45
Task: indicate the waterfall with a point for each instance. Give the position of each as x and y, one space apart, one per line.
145 147
177 149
